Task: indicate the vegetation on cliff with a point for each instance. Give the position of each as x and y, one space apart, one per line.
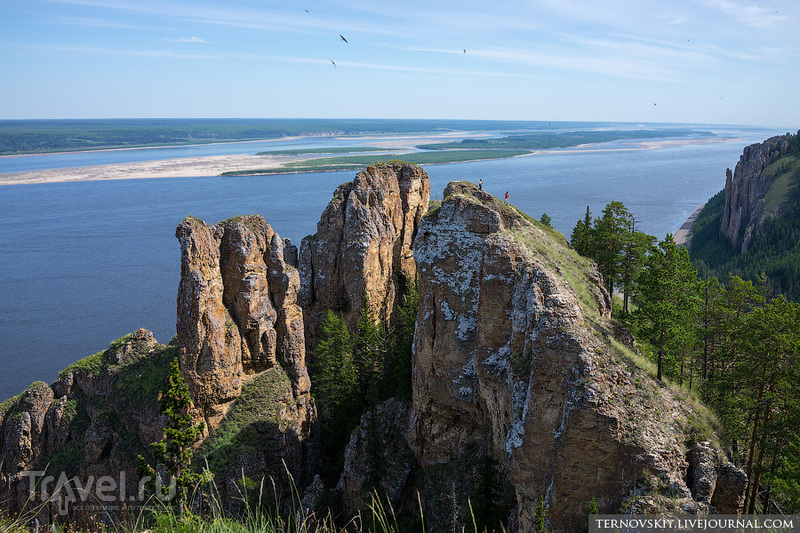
735 344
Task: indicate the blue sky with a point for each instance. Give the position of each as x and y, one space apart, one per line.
699 61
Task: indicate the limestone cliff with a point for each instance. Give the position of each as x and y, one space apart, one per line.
363 245
746 187
237 313
242 348
513 360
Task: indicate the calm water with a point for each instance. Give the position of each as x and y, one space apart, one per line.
82 264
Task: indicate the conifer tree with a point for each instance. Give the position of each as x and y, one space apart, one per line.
335 386
174 451
668 300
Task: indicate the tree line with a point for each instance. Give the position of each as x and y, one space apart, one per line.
736 344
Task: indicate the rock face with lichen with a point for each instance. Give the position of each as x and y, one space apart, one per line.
514 360
363 245
237 313
745 190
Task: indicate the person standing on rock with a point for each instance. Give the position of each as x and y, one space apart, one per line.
480 184
506 196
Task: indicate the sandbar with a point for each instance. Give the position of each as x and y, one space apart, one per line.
217 164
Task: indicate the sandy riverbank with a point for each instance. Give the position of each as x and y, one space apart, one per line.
166 168
681 236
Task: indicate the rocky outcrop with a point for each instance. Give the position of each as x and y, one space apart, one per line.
363 245
237 313
512 359
90 423
715 481
746 187
242 348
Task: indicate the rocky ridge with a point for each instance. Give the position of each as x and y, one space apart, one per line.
746 187
241 341
238 314
515 363
91 422
363 246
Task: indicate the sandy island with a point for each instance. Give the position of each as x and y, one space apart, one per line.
217 164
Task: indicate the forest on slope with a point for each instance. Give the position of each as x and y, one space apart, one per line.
734 343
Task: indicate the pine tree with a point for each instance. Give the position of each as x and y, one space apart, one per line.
369 353
581 238
335 386
398 370
174 451
668 301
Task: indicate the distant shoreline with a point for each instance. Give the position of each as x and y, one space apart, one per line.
152 146
215 165
682 237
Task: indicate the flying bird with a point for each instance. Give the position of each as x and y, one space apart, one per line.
342 37
306 10
334 62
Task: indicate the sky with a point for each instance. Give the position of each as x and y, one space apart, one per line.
684 61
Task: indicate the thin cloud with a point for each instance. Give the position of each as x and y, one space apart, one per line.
184 40
104 23
756 16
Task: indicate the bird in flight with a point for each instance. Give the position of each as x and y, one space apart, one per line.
342 37
334 62
306 10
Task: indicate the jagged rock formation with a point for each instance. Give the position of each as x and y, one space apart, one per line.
91 422
238 313
745 188
363 245
242 348
514 360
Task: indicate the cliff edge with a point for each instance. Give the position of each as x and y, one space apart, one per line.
514 362
746 188
363 246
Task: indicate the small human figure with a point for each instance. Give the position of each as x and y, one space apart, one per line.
480 184
506 196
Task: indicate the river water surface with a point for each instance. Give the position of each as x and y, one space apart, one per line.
84 263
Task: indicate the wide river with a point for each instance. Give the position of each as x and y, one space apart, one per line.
84 263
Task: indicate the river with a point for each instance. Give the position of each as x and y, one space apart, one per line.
82 264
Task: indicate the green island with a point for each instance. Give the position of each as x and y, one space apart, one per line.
547 139
357 162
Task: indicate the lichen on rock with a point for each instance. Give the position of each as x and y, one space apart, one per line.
363 246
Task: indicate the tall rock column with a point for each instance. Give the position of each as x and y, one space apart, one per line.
237 312
363 245
745 188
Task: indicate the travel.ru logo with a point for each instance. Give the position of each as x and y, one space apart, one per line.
104 491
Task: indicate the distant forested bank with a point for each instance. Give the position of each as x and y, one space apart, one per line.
41 136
